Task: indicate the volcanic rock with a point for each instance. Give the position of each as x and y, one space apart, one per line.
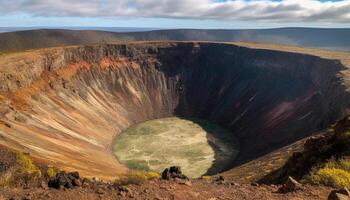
220 180
173 173
342 194
291 185
124 190
65 180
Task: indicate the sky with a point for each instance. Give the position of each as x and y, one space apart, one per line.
217 14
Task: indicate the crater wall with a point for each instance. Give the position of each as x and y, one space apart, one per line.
66 105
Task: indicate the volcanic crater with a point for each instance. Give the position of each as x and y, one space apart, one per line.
67 105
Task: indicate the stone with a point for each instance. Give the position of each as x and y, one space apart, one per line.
172 173
74 175
234 184
291 185
43 185
65 180
342 194
188 183
220 180
123 191
100 191
183 181
255 184
86 183
76 182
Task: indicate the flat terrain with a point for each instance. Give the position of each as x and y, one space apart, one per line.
158 144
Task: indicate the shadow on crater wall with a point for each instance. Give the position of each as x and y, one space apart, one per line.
66 105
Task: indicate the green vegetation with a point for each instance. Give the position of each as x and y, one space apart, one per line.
136 177
192 144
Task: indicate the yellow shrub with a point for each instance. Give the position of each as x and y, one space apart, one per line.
207 178
345 164
332 177
51 172
152 175
136 177
26 165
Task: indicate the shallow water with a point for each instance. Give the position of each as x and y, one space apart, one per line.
195 145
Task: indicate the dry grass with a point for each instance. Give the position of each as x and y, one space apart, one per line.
6 177
51 172
136 177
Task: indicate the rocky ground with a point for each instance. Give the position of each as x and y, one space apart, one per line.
171 185
170 189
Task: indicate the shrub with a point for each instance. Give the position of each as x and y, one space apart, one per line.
51 172
152 175
136 177
333 173
332 177
26 165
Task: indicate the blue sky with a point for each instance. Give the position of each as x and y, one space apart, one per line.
175 13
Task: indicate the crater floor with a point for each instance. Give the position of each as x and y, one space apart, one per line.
195 145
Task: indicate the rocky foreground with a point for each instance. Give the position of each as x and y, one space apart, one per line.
166 189
172 185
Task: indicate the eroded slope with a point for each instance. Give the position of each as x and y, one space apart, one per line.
67 104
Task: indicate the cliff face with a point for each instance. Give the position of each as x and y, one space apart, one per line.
67 104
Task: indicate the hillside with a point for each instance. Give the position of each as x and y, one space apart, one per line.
307 37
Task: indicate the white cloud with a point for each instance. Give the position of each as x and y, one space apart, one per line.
244 10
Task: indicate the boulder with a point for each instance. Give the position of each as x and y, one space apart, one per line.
342 194
76 182
220 180
316 143
291 185
86 183
172 173
65 180
123 191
